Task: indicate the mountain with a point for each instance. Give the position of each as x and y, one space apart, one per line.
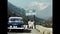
44 14
43 10
45 23
16 11
49 22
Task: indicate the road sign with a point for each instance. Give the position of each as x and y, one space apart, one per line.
27 14
30 13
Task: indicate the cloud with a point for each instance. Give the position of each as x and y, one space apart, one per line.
38 5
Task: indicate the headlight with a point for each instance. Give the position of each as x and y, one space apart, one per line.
10 26
14 26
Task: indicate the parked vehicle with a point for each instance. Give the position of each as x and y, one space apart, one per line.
15 23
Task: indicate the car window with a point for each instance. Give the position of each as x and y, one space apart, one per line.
15 19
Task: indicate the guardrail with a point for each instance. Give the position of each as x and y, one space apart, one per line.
44 30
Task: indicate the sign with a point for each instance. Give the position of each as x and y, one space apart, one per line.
27 14
30 13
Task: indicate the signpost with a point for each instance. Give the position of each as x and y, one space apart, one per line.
30 13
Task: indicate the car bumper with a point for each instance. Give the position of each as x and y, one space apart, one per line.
15 28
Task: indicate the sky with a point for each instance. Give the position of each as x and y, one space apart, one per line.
43 7
25 3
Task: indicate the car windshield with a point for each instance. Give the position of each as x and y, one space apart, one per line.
15 19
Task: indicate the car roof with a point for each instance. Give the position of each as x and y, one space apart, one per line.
15 17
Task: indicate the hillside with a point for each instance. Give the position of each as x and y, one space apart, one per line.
48 22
